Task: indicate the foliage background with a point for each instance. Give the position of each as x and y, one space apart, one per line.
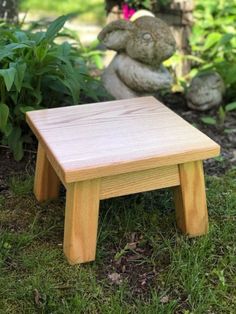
213 40
36 71
89 11
213 43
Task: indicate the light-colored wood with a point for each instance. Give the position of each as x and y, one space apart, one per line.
116 148
81 221
103 139
46 182
190 200
140 181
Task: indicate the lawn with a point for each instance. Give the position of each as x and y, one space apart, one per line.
143 264
92 11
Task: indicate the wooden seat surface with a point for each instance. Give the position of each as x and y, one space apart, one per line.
97 140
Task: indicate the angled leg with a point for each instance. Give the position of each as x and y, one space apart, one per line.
81 221
46 182
190 200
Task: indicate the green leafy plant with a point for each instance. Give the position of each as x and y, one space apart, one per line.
213 40
221 115
36 72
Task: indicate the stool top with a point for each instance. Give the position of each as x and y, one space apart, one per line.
96 140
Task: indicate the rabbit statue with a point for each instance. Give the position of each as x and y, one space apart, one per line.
141 46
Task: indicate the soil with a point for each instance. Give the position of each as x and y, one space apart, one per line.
176 102
224 135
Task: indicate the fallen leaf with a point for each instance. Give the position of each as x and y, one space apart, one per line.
37 297
115 278
133 236
132 245
143 283
164 299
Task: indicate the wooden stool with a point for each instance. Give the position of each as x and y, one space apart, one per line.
115 148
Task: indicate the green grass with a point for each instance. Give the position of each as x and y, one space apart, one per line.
161 271
89 11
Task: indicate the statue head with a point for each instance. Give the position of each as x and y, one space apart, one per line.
148 39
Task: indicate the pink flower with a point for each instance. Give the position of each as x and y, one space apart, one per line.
127 11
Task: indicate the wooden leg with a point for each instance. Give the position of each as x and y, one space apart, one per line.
46 183
81 221
190 200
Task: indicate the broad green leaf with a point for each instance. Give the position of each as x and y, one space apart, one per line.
19 77
7 130
18 151
97 60
211 40
41 51
225 39
15 46
14 137
49 69
231 74
38 37
37 94
229 131
55 27
8 76
4 114
21 36
231 106
73 87
64 49
5 53
209 120
71 81
14 96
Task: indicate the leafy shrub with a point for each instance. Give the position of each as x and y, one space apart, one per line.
35 73
213 40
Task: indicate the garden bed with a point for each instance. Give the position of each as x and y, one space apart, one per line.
176 102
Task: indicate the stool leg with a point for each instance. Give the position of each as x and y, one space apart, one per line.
81 221
190 200
46 182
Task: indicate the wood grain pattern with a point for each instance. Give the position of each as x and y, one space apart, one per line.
103 139
46 182
81 221
190 200
141 181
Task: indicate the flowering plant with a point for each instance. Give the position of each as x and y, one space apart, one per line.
129 7
127 11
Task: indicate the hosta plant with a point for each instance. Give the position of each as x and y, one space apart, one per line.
35 73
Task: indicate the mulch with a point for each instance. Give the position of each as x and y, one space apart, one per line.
176 102
227 141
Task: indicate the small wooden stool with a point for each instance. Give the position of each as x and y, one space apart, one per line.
117 148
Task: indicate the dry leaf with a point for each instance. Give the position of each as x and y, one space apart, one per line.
115 278
131 245
37 297
164 299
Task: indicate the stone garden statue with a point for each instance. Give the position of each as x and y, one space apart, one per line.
205 91
141 46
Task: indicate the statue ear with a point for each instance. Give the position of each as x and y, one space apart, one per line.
116 34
